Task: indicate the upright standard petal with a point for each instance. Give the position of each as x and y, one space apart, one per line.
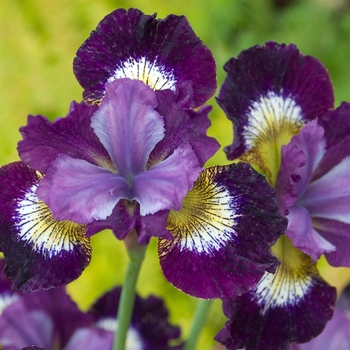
128 125
229 218
269 93
161 53
183 125
40 252
292 305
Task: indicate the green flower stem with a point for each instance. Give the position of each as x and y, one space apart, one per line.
126 302
199 318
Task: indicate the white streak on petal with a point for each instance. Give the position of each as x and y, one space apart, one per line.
155 75
207 219
267 115
37 227
281 290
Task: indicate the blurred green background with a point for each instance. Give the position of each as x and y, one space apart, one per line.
38 41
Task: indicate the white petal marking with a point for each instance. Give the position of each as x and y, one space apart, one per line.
269 113
156 76
206 221
37 227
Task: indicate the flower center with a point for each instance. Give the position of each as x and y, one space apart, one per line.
155 75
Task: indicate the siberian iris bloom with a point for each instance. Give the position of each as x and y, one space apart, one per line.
287 113
163 53
133 162
97 179
51 320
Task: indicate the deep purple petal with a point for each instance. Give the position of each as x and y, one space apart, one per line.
336 334
149 319
229 218
303 235
39 251
292 305
182 126
43 141
329 196
337 133
128 126
338 234
164 186
272 88
80 191
162 53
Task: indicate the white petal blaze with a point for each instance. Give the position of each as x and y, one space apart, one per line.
205 223
273 120
47 236
154 74
291 283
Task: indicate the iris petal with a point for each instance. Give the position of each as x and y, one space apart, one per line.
269 92
128 126
228 219
161 53
337 233
79 191
43 140
304 236
165 185
37 247
329 196
294 304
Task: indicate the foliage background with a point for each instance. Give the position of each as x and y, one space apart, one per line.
38 41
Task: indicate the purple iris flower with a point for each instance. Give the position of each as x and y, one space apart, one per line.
163 53
51 320
309 172
270 91
133 162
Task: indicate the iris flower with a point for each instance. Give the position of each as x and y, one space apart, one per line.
131 160
284 124
51 320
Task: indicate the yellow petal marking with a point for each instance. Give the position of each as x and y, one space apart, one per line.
207 218
272 121
47 236
292 280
